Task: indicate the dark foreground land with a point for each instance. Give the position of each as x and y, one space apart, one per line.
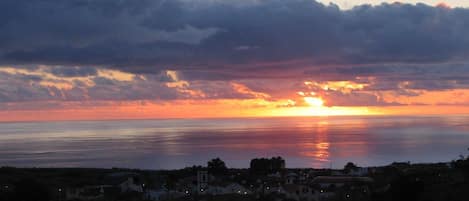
266 179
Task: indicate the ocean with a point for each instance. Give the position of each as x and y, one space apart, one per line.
317 142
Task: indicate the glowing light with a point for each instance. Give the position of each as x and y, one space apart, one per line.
345 87
116 75
245 90
314 101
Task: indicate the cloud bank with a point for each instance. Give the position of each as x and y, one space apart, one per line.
61 50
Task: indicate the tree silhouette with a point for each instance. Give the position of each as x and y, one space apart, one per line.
350 166
30 190
216 166
265 165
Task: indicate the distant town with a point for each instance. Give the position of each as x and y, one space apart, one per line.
265 179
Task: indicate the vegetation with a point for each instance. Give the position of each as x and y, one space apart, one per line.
265 165
216 167
350 166
394 182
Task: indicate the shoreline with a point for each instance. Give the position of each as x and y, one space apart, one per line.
247 168
265 179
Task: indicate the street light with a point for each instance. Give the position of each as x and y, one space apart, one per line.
60 192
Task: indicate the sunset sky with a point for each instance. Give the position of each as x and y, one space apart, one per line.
127 59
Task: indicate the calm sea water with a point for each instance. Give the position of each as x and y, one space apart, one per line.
167 144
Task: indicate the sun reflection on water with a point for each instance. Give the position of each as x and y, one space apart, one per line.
319 149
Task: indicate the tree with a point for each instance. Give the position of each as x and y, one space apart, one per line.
406 188
278 163
216 166
350 166
30 190
265 165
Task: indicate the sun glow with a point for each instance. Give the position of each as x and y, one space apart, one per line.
314 106
314 101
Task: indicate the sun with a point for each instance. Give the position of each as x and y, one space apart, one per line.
314 101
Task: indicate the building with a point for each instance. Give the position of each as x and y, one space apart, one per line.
130 185
291 178
87 192
333 181
300 192
231 188
202 181
359 171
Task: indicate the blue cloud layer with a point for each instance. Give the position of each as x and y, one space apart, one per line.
211 43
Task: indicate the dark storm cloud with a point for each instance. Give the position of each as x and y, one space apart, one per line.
215 35
69 86
390 76
261 44
356 99
19 87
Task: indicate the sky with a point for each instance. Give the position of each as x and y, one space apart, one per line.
108 59
348 4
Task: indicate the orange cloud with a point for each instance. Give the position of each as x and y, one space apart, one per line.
446 97
342 86
242 89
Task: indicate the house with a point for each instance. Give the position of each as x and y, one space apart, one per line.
401 165
202 181
232 188
236 188
338 173
291 178
274 189
359 171
275 175
154 195
302 177
343 188
126 181
163 194
325 195
130 185
87 192
300 192
187 184
6 188
339 181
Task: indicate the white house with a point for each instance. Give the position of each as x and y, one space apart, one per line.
360 171
163 194
291 178
154 195
300 192
86 192
329 181
129 185
232 188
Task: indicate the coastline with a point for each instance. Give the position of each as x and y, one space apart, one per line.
265 179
